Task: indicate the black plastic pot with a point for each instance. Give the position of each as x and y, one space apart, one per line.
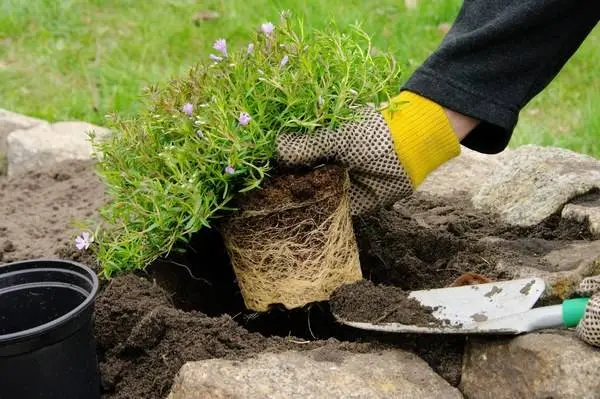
47 345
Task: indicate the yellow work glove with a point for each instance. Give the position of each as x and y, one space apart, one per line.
388 153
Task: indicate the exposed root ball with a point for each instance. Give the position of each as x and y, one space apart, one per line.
293 243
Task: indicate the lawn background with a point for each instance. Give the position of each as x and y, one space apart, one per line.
83 59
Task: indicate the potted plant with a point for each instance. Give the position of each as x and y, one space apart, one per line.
201 155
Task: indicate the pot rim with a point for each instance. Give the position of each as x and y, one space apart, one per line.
54 265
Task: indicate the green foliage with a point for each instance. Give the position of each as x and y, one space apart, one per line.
175 166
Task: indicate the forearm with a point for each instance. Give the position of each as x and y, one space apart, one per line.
498 55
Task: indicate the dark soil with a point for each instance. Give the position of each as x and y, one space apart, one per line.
188 306
367 302
305 198
294 187
144 340
427 243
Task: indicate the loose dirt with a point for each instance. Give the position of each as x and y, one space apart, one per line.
366 302
144 340
37 209
188 307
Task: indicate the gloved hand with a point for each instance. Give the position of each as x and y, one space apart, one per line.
588 329
387 154
376 175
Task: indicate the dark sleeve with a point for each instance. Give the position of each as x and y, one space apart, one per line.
497 56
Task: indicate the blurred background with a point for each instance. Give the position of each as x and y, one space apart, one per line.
82 59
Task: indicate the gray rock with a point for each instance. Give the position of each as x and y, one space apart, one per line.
587 213
462 175
562 267
9 122
46 144
537 365
321 373
535 182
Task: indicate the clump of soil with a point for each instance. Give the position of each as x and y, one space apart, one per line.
367 302
289 187
292 243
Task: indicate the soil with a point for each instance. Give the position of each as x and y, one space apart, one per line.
144 339
427 243
292 187
38 208
188 306
287 199
367 302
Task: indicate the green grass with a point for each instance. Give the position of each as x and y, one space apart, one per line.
83 59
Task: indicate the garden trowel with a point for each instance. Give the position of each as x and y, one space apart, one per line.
504 307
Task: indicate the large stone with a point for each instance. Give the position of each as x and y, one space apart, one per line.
586 212
536 182
9 122
537 365
562 265
47 144
321 373
462 175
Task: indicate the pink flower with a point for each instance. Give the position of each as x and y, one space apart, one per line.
84 240
244 118
221 46
267 28
188 108
229 170
215 57
284 61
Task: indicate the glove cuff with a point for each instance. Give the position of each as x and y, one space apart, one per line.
422 135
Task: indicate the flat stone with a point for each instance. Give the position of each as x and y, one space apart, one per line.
9 122
562 268
321 373
535 365
47 144
535 182
462 175
585 212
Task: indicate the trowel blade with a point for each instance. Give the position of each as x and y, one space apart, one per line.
464 310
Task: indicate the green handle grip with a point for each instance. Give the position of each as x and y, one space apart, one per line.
573 311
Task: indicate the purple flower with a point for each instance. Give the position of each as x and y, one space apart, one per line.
244 118
84 240
215 57
267 28
250 48
229 170
221 46
284 61
188 108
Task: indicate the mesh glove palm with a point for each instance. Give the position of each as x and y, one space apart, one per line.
588 329
365 147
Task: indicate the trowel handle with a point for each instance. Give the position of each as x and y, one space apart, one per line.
573 311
